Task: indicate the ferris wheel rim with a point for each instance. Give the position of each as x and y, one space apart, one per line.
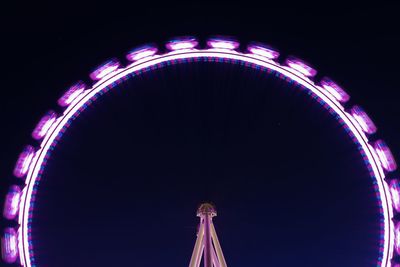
75 107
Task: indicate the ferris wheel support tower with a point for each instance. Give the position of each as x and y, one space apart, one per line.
207 242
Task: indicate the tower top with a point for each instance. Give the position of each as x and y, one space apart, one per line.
207 248
206 208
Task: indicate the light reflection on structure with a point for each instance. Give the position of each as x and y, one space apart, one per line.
207 242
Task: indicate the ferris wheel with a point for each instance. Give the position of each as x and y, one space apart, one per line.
31 164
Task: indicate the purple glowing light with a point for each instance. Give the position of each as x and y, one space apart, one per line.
26 251
104 69
44 125
223 43
363 119
301 66
11 204
395 193
182 43
71 94
23 162
334 89
385 156
141 52
263 50
9 245
397 238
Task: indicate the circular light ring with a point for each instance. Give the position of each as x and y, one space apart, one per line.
334 89
263 50
9 245
180 43
11 205
71 94
301 66
141 52
104 69
223 43
363 119
210 55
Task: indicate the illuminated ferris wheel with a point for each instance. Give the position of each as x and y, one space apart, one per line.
17 239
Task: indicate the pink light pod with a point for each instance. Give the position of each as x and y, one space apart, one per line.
223 43
301 66
44 125
9 245
141 52
395 193
363 120
263 50
23 162
334 89
385 155
104 69
11 203
180 43
397 238
71 94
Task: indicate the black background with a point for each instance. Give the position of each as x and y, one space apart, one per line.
48 46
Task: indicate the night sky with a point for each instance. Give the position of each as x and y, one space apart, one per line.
123 185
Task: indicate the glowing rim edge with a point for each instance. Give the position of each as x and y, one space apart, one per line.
78 104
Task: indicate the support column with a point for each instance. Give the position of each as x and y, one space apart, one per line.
198 248
207 242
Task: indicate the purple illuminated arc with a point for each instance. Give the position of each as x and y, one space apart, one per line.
378 158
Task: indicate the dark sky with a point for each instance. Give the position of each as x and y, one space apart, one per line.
123 185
